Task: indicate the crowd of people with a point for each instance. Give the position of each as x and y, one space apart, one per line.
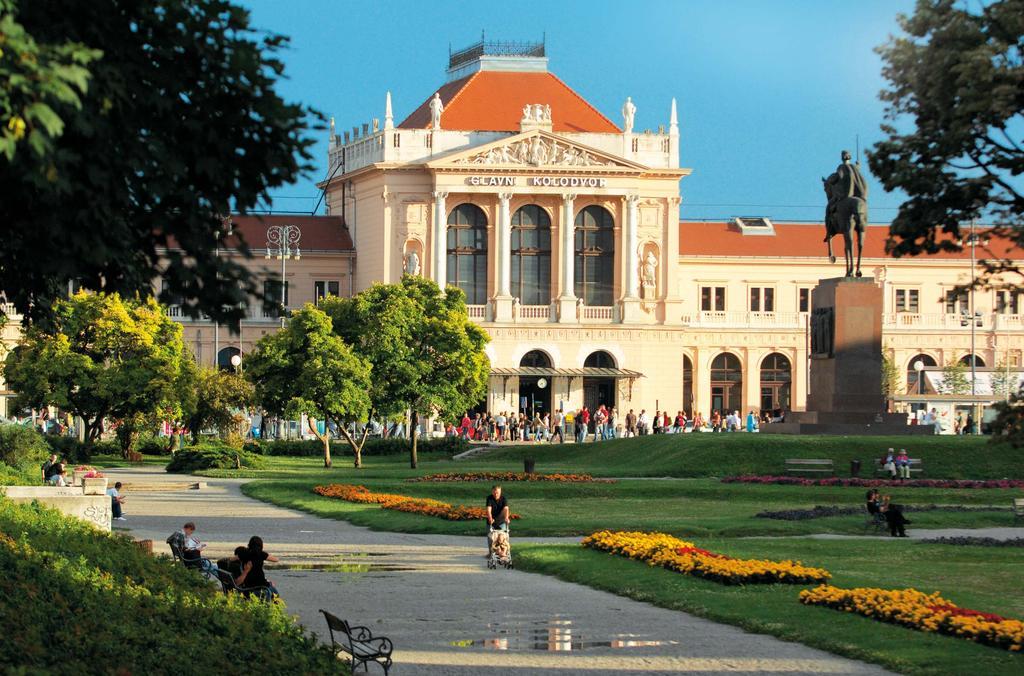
604 423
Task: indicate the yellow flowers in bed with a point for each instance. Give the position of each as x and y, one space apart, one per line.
659 549
924 612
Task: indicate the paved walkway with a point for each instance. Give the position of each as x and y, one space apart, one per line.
445 612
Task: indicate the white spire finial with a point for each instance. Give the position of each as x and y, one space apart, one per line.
389 121
332 127
673 120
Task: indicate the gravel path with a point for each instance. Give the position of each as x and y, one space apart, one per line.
445 612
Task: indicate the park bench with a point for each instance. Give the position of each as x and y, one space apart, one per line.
1018 508
227 585
203 565
362 646
810 466
916 466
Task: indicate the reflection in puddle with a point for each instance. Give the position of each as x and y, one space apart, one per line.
339 567
554 635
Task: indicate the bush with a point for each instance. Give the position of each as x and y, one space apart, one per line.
153 445
392 446
212 455
146 614
13 476
77 451
21 447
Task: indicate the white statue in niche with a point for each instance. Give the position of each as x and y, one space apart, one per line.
412 263
649 270
628 113
436 108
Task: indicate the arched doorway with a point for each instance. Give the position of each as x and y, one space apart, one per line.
726 383
534 399
598 390
687 386
776 380
913 386
224 358
978 361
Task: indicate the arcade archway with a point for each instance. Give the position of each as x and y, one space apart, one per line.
598 390
535 391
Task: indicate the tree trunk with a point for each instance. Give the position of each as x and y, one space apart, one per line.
415 423
357 447
325 438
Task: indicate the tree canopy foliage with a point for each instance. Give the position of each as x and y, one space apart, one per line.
180 124
101 357
955 106
427 355
306 369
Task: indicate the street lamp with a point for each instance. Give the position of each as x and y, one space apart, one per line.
283 243
236 361
919 367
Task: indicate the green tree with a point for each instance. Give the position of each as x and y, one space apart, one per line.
306 369
101 357
890 377
954 379
181 123
217 397
1005 381
427 355
955 108
36 77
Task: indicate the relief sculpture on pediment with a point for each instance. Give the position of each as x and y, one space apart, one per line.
538 151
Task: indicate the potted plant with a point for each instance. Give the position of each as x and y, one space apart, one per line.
94 483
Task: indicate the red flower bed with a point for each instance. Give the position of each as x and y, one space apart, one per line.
509 477
873 483
967 612
404 503
697 551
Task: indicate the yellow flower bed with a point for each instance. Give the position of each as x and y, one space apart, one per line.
924 612
659 549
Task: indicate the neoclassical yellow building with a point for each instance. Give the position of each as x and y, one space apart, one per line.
562 227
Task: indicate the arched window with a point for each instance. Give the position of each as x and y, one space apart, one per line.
913 386
224 358
531 255
726 383
978 361
687 385
467 252
536 358
595 256
776 376
599 359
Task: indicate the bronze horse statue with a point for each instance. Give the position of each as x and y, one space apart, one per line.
844 215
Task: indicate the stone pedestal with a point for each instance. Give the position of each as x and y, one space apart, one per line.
502 308
845 394
632 311
567 310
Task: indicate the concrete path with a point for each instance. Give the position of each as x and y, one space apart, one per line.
446 613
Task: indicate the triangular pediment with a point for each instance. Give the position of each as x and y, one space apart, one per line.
537 148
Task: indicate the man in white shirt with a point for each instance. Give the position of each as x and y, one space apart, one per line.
116 501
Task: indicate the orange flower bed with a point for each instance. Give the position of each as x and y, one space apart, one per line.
403 503
510 477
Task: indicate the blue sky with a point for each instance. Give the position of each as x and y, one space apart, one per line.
768 92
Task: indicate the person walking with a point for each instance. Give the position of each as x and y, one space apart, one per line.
751 422
558 427
631 424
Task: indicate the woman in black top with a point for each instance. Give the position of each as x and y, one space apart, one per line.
252 566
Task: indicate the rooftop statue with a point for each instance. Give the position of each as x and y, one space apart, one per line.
436 108
847 210
628 113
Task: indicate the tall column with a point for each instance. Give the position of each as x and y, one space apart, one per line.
631 311
567 298
669 268
503 296
440 244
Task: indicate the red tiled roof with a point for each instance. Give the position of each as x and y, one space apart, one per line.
494 100
805 240
318 233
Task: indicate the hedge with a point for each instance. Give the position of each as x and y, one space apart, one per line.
78 600
77 451
21 447
212 455
392 446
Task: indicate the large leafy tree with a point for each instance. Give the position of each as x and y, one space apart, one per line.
180 123
214 400
955 110
427 355
101 358
306 369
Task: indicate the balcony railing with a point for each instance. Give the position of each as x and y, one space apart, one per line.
746 320
942 322
10 311
533 313
597 314
477 312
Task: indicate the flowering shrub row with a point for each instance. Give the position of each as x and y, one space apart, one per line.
924 612
874 483
403 503
822 511
510 476
658 549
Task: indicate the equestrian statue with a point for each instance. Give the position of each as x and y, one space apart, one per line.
847 211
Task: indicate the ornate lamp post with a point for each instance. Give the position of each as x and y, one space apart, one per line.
283 243
919 366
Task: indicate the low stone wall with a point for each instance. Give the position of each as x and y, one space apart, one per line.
94 509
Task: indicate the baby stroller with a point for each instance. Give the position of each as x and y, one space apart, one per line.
500 549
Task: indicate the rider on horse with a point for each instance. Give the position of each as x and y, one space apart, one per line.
847 181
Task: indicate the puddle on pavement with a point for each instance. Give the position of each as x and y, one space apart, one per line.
339 567
554 636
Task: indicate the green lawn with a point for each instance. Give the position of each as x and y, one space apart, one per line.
985 579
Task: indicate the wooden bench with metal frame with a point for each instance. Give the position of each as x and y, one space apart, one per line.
228 585
362 646
1018 508
810 466
916 467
